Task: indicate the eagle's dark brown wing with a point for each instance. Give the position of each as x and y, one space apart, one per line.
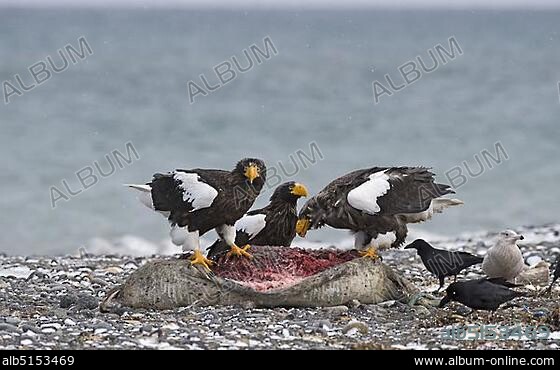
411 190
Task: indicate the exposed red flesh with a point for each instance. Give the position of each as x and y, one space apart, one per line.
279 267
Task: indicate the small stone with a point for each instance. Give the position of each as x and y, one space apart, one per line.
171 326
58 312
324 324
98 281
12 320
147 328
290 316
386 304
354 303
30 328
113 270
69 322
102 325
86 301
357 326
541 312
68 300
422 310
130 265
463 310
53 325
26 342
8 327
337 310
533 260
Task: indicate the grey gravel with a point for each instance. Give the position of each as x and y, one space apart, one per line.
57 308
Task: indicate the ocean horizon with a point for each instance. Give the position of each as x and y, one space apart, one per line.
97 98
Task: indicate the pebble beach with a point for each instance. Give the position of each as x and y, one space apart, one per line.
53 303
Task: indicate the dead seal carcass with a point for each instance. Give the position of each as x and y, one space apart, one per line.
276 276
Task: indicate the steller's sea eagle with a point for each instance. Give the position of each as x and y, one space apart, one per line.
198 200
274 224
376 204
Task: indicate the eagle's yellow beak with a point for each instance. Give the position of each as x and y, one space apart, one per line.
302 226
299 190
252 172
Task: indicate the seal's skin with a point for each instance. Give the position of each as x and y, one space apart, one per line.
173 283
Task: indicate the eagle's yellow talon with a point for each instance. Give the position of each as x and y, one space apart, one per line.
236 251
199 259
371 252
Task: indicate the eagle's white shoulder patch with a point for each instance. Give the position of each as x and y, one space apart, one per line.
364 197
252 225
198 193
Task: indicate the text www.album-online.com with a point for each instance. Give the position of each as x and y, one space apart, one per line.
476 361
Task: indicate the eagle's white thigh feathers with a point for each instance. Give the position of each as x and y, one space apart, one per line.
181 236
360 240
192 241
364 197
251 224
227 233
178 234
382 241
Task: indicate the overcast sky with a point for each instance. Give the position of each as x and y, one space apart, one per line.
468 4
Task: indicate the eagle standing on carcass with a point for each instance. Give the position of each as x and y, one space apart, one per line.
376 204
274 224
195 201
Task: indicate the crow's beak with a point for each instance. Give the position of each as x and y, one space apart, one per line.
445 300
409 246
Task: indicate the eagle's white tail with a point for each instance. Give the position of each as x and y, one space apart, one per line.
440 204
145 195
437 206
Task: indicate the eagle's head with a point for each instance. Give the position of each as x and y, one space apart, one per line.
253 170
289 192
311 216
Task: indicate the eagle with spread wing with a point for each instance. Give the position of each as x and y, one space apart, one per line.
376 204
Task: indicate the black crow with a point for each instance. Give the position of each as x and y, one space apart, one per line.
442 263
481 294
